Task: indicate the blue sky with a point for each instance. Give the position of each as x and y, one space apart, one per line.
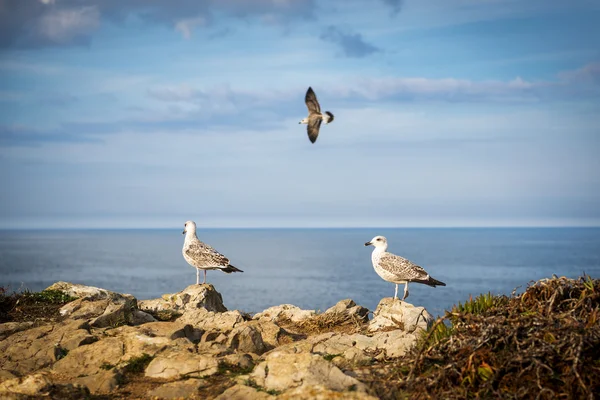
447 113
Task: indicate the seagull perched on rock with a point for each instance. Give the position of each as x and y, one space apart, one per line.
202 256
315 117
396 269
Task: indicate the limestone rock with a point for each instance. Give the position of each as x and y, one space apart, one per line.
108 312
349 307
174 364
396 314
243 392
209 320
192 297
282 312
30 350
87 360
6 375
101 383
177 390
8 328
246 339
283 371
140 317
81 291
244 361
319 392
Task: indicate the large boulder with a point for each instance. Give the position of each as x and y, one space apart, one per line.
284 312
284 371
395 314
192 297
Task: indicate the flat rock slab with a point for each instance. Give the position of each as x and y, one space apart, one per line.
175 364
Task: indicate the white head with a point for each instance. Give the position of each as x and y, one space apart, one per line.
304 121
380 242
189 227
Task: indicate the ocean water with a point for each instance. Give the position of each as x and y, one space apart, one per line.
310 268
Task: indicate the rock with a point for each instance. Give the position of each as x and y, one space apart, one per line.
360 348
111 312
8 328
87 360
81 291
319 392
174 364
246 339
209 320
6 375
349 307
242 361
30 350
396 314
41 385
177 390
194 296
140 317
243 392
282 312
101 383
283 371
272 334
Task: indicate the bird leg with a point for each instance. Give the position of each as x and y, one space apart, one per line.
405 291
197 276
204 277
396 292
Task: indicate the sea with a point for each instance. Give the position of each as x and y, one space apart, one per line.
310 268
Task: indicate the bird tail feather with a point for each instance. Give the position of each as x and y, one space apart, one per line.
230 268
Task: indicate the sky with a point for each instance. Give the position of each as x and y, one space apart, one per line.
148 113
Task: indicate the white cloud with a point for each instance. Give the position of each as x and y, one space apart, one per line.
62 26
186 26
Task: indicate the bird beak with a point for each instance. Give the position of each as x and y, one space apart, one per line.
183 233
368 243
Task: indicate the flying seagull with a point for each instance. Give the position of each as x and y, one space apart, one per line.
396 269
202 256
315 117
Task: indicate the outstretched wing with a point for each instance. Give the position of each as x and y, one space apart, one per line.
204 255
402 268
311 102
314 124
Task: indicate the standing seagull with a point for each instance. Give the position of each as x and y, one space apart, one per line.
396 269
202 256
315 117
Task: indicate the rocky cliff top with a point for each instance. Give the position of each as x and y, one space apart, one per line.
188 344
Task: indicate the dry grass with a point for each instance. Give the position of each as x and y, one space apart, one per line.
542 344
322 323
